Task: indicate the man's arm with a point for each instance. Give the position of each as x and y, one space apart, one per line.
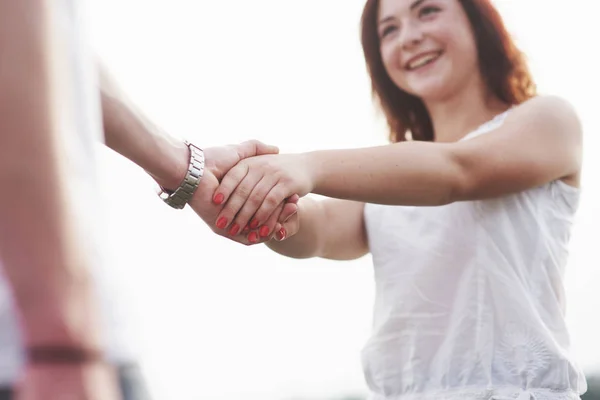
130 133
40 248
46 269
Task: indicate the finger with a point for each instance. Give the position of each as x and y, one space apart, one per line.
280 232
238 238
243 216
282 213
293 199
266 230
287 229
235 202
253 148
229 183
287 211
242 239
276 196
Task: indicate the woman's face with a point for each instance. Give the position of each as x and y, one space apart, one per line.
427 46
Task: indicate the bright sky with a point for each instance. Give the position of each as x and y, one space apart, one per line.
220 321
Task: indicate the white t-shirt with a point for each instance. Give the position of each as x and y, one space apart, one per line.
78 111
470 297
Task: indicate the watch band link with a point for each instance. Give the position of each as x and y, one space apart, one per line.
183 194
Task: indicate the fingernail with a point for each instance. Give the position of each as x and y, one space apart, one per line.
281 234
264 231
246 229
222 223
254 224
219 197
253 237
234 230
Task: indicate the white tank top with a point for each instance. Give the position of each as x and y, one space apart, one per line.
470 299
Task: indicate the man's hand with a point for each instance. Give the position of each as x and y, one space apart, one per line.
68 382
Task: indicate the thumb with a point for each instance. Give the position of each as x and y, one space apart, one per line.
253 148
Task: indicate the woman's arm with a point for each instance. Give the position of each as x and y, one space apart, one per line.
331 228
539 141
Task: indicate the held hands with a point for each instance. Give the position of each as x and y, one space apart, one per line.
254 194
237 180
218 161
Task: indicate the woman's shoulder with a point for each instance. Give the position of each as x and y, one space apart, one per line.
549 107
558 118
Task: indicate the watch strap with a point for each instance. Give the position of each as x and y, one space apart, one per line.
183 194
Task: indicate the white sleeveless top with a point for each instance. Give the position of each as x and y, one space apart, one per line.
470 299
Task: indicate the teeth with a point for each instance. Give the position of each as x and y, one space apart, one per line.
422 61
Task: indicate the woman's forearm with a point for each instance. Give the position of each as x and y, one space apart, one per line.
382 174
308 242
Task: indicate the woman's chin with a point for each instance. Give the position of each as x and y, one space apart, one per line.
430 94
431 89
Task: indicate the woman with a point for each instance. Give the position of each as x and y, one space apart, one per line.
468 222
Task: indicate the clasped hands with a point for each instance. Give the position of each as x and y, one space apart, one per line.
249 192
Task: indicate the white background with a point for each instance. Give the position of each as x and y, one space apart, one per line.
216 320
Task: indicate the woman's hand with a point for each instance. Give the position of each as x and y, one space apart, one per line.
219 160
275 228
255 191
286 229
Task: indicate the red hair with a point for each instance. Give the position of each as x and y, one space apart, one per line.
502 65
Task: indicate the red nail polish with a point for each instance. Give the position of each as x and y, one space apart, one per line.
222 223
264 231
219 197
254 224
253 237
281 234
234 230
246 229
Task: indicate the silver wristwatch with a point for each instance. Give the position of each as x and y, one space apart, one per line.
183 194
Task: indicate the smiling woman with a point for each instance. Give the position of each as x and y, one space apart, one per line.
468 223
399 93
245 323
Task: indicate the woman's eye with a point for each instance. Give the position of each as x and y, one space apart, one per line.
387 30
428 10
